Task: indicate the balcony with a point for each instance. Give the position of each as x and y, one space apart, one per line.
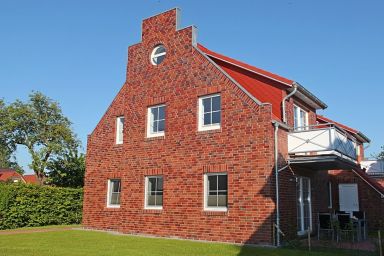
322 147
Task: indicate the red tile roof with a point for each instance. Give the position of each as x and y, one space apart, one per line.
324 119
31 179
7 174
243 65
263 85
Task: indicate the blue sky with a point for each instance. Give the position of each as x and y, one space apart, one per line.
76 51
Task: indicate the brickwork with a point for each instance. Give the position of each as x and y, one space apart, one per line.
243 148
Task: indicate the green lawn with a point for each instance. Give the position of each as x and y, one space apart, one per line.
81 243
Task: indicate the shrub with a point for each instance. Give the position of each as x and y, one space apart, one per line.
23 205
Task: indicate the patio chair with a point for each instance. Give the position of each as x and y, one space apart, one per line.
324 223
345 225
362 221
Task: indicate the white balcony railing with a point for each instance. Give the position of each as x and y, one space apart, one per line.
323 139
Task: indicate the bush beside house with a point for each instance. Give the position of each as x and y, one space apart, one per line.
25 205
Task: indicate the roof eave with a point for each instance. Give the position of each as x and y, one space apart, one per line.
308 97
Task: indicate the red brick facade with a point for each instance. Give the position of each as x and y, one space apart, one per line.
243 148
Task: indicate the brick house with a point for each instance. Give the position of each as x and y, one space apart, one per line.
191 145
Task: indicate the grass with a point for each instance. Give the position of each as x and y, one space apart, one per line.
43 227
83 243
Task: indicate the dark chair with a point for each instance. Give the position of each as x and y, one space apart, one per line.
324 223
362 222
345 226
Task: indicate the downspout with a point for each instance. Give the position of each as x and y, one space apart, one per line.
276 126
285 98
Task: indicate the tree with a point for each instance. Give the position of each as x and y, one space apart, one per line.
67 171
381 154
7 147
41 127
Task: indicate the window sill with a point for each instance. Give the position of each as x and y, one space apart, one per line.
209 212
217 130
153 210
112 208
159 137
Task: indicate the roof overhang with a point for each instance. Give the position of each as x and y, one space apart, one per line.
307 97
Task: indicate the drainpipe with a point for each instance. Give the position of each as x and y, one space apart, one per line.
276 126
285 98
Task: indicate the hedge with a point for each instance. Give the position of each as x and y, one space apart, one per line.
23 205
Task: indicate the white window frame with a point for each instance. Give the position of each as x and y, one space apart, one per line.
109 194
153 55
120 130
201 126
330 203
206 190
296 113
152 207
151 134
301 230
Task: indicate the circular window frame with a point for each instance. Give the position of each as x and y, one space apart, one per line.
153 55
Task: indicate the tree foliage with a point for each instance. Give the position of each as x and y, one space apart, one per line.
67 171
381 154
41 127
7 147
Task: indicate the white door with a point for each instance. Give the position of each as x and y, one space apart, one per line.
348 197
304 205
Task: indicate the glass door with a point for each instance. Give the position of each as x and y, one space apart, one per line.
304 206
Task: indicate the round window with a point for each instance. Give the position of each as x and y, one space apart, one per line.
158 54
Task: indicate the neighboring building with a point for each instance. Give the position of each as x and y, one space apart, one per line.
10 175
191 145
31 179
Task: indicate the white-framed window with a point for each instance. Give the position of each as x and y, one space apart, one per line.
209 112
158 54
215 192
329 188
113 195
153 192
119 129
156 121
304 205
300 118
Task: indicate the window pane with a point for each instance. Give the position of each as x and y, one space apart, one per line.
151 185
222 200
115 198
212 182
159 200
161 125
155 126
222 182
158 59
115 184
162 112
159 184
207 105
151 200
212 201
216 103
160 49
216 117
207 118
154 112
